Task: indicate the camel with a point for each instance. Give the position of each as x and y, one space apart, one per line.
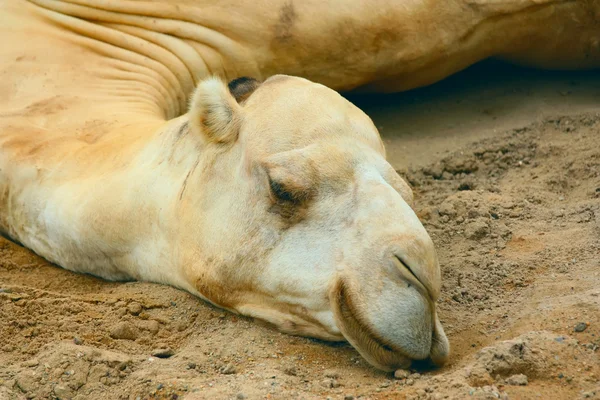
304 225
269 196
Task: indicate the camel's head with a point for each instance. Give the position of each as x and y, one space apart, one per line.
306 225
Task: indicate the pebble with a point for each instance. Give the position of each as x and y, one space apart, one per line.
580 327
477 229
517 380
401 374
348 397
152 326
134 308
191 365
27 381
240 396
31 363
330 383
77 340
162 353
228 369
62 392
124 330
331 373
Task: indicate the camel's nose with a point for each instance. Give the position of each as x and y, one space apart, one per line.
389 326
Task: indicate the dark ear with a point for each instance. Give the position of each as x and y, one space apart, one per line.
242 88
214 112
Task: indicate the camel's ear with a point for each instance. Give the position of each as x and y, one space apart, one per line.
214 112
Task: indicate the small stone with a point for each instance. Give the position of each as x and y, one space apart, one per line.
240 396
27 381
466 185
159 386
191 365
517 380
447 208
228 369
348 397
124 330
134 308
162 353
580 327
77 340
31 363
63 392
330 383
151 326
331 373
401 374
410 382
477 229
290 371
435 171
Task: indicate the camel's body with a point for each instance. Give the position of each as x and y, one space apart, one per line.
97 171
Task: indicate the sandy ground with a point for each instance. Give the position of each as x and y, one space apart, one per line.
505 165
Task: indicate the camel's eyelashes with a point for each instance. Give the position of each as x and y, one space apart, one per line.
280 192
289 192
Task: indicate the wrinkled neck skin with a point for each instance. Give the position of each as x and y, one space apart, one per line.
169 46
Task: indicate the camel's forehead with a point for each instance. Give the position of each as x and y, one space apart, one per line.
290 112
281 91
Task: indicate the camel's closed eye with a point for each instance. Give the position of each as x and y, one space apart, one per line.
288 193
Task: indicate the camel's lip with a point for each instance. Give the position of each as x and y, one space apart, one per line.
375 349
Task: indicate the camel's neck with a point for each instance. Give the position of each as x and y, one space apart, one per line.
109 208
157 51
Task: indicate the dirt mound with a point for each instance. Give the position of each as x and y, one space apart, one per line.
516 221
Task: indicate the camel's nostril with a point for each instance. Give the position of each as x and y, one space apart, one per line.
405 265
410 276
